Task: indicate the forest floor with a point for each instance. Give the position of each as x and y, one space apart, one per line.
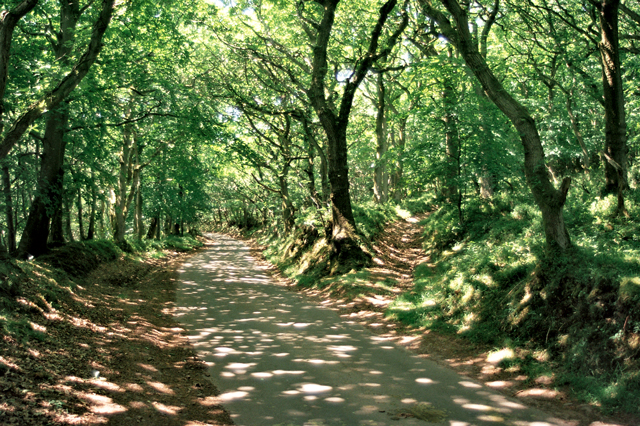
398 250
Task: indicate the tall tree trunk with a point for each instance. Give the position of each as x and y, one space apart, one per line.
399 143
103 212
168 225
8 200
615 146
343 231
550 200
452 145
311 175
80 216
66 212
381 177
8 22
312 149
128 176
575 126
56 233
24 197
485 182
288 210
49 188
50 182
138 214
92 212
152 227
325 185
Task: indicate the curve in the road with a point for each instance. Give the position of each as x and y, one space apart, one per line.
282 360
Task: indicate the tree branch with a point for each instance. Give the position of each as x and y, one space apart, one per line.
54 97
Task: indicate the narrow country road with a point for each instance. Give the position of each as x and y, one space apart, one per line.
279 359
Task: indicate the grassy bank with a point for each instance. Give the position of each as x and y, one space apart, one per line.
574 318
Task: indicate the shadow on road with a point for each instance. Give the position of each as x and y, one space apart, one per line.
280 360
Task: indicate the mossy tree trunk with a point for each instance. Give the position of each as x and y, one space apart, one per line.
50 181
94 207
335 122
49 188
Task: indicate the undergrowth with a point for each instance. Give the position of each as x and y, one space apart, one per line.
491 281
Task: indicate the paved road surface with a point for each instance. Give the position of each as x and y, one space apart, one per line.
279 359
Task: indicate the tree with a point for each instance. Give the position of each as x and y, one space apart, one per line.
334 122
596 23
8 21
381 176
51 98
550 200
615 145
49 196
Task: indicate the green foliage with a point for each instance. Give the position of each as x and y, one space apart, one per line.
11 279
422 204
21 328
528 365
211 100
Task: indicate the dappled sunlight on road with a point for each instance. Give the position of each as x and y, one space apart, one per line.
279 359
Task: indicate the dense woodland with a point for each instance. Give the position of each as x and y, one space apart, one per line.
515 123
136 119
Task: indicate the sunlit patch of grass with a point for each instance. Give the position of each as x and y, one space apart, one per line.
459 285
306 254
527 366
24 330
416 205
620 392
181 243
